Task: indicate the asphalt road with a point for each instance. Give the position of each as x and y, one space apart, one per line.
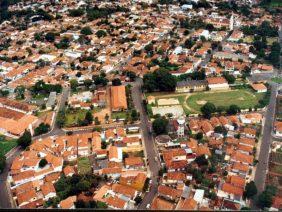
5 200
262 166
151 153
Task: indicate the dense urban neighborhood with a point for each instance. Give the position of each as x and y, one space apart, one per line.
141 104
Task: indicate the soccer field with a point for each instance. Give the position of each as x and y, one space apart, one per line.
243 98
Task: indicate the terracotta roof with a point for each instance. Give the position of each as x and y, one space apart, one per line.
228 188
68 170
170 192
134 161
259 87
240 167
240 157
187 204
216 80
131 140
278 126
249 131
118 97
203 150
161 204
115 202
176 176
123 189
26 196
247 141
68 202
47 188
237 181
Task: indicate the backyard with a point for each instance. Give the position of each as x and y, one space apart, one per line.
84 166
73 116
6 145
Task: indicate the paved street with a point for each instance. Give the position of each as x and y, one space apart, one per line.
262 166
4 194
149 143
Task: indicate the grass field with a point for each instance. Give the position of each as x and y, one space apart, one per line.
84 166
243 98
120 115
277 80
276 3
73 116
6 146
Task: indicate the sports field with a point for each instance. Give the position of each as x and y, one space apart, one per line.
192 102
243 98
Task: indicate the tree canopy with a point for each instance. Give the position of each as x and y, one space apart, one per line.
208 109
160 125
250 190
25 140
160 80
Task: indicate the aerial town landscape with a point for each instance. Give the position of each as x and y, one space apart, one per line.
141 104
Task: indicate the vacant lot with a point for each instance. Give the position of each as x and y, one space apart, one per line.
84 166
6 146
276 3
277 80
72 117
243 98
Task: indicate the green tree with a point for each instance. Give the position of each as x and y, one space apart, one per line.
19 91
160 80
220 130
160 125
73 84
88 82
2 162
97 122
61 117
233 109
83 185
274 56
76 12
89 117
116 82
265 199
101 33
43 162
250 190
86 31
138 200
199 136
50 37
41 129
25 140
134 115
208 109
230 78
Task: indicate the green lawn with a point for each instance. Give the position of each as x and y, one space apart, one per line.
72 117
120 115
6 146
276 3
277 80
84 166
243 98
